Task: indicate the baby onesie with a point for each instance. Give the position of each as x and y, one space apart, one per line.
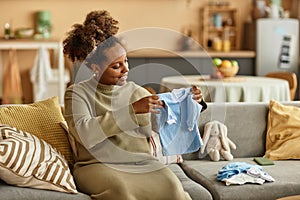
178 122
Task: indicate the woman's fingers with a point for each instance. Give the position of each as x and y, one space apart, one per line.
155 101
148 104
155 104
197 94
198 98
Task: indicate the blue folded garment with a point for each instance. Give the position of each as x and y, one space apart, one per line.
234 168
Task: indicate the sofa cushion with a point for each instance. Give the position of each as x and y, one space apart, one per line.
41 119
283 134
196 191
27 161
9 192
286 175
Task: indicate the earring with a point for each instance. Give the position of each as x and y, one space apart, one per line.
96 74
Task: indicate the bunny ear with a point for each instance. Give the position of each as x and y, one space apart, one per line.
223 131
206 135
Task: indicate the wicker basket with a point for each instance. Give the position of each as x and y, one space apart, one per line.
229 71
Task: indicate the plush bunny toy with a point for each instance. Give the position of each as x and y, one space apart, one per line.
216 142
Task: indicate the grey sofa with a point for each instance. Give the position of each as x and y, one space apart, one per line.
247 125
9 192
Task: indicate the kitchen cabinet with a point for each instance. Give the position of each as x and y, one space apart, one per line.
147 68
150 71
217 22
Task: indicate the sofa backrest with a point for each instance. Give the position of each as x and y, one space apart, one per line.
246 124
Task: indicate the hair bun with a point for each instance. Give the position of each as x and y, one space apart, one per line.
83 38
101 24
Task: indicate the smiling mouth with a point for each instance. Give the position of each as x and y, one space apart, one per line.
123 78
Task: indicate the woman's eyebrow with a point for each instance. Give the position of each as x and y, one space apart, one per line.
117 61
114 62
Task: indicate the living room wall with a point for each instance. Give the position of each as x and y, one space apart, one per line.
173 14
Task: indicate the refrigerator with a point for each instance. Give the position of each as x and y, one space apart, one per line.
277 45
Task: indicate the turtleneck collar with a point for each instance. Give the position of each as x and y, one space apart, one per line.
103 87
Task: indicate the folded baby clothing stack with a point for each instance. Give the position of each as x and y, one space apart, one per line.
239 173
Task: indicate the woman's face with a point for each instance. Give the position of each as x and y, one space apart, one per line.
114 70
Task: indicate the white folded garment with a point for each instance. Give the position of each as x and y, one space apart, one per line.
258 173
242 178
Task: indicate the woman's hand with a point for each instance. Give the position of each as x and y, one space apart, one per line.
148 104
197 94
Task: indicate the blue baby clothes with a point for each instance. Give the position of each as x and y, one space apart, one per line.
241 172
232 169
178 122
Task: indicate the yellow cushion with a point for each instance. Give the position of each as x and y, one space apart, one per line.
283 133
28 161
41 119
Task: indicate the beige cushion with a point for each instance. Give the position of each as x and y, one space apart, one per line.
27 161
156 150
41 119
283 133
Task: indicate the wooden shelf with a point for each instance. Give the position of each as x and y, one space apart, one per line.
215 29
230 23
190 54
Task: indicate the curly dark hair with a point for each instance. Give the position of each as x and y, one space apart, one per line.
83 38
98 55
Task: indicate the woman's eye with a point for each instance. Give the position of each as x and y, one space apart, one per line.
117 66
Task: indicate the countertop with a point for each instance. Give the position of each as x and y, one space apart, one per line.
147 53
153 53
27 43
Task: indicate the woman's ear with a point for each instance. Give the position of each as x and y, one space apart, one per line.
95 68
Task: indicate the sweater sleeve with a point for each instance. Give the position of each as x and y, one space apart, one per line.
89 128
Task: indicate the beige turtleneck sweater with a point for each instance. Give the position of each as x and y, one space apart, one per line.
106 129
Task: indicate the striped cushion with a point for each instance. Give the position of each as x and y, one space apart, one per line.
156 150
27 161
